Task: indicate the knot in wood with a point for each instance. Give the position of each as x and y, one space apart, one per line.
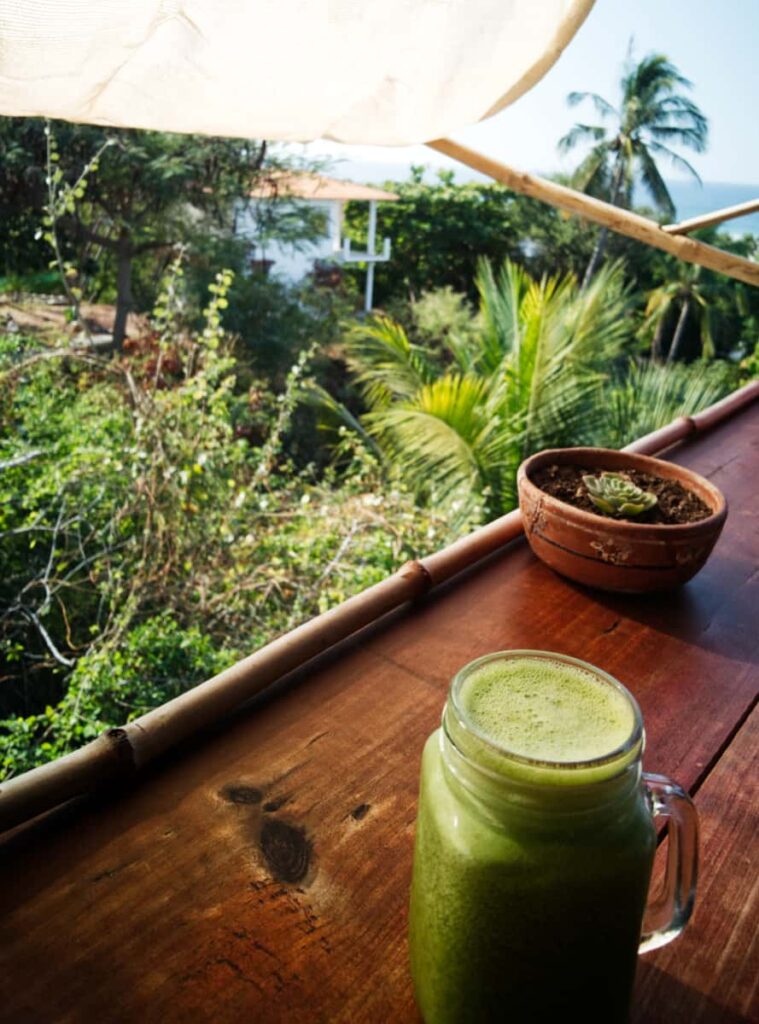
286 849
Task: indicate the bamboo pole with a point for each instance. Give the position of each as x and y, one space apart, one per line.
662 438
727 406
624 222
120 753
706 220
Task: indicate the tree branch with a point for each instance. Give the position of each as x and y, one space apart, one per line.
94 236
33 617
137 250
20 460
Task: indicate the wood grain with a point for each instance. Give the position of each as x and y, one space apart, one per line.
710 974
262 875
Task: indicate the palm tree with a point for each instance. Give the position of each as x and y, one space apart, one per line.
652 117
643 396
683 295
541 365
690 296
457 427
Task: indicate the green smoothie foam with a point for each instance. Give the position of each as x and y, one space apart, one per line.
546 710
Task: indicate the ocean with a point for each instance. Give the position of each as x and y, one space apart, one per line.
691 199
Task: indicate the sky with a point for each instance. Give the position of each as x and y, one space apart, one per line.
714 43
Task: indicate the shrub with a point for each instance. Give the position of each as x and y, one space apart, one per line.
153 662
125 492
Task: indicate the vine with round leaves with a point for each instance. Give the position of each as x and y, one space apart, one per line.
62 199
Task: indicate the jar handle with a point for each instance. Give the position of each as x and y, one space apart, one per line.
669 911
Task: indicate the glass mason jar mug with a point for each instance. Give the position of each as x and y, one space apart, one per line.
534 847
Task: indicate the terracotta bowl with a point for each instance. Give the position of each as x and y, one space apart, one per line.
602 552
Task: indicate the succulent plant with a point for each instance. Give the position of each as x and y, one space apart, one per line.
616 495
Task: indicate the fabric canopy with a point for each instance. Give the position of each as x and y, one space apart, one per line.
387 72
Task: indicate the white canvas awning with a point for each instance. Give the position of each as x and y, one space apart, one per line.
387 72
383 72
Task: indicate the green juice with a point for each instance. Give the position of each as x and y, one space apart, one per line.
534 848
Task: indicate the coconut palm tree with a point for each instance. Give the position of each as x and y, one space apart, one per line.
642 396
691 299
541 364
683 296
457 427
652 117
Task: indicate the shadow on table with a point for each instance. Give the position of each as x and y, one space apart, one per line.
661 998
713 611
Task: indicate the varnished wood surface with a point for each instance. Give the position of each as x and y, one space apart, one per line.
263 876
722 941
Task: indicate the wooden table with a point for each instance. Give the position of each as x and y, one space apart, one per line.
263 875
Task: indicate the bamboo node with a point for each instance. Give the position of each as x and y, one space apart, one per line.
417 571
119 742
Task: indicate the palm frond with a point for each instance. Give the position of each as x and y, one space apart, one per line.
569 339
593 174
683 113
708 349
580 133
333 415
596 320
653 113
644 397
652 76
675 158
681 136
387 365
551 370
500 302
654 182
659 302
439 437
603 107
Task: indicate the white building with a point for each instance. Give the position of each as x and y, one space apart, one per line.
293 262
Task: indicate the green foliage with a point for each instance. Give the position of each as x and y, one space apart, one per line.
40 282
64 198
542 364
22 192
443 315
145 180
614 494
124 491
107 199
186 474
749 369
438 234
153 662
428 225
456 418
440 231
691 311
640 397
653 116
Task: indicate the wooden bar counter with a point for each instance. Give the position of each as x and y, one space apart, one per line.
261 874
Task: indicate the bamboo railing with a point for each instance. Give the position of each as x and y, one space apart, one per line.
707 220
120 753
624 222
